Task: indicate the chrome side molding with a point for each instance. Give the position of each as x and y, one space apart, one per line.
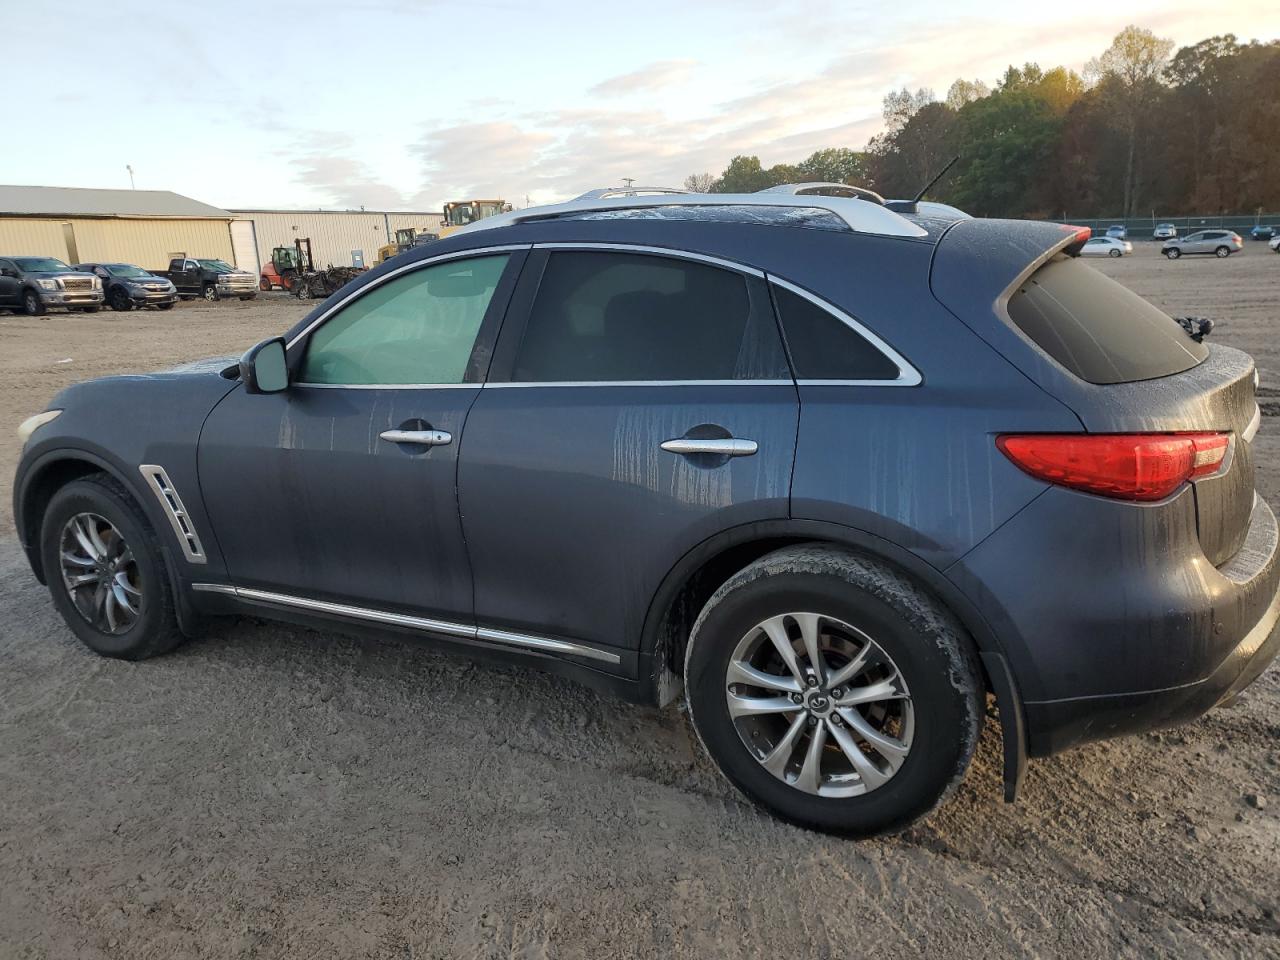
508 637
172 506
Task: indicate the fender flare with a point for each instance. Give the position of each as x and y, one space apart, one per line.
188 619
652 668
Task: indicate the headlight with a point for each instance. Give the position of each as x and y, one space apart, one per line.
136 288
48 284
97 283
32 424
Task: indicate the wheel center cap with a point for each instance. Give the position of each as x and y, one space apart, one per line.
818 703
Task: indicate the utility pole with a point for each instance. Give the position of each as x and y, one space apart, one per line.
129 167
628 181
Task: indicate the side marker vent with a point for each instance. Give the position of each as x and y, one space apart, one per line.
171 503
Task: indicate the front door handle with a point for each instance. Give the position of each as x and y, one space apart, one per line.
422 438
731 447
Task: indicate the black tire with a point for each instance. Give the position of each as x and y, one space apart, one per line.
155 631
302 289
164 306
94 309
252 296
32 305
264 285
209 292
1222 252
1114 253
930 648
1173 253
119 300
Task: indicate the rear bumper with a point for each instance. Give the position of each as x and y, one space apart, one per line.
1112 619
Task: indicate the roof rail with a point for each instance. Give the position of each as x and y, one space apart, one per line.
858 215
605 192
822 188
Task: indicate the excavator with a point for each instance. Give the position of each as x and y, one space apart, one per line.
459 213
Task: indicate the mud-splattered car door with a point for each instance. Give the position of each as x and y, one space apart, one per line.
342 488
639 404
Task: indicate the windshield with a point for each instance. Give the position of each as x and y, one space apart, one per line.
125 270
460 214
217 266
40 264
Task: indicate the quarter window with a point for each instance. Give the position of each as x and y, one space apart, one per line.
824 347
416 329
601 317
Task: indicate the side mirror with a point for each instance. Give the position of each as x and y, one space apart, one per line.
264 369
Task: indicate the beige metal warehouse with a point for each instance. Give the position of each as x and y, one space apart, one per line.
338 237
144 227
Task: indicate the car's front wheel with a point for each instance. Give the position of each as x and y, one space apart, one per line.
120 300
833 691
209 292
32 305
104 568
1173 253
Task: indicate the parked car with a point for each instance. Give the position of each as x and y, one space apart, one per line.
1118 232
1106 247
1220 243
1164 231
574 437
127 286
1261 232
1275 244
36 284
211 279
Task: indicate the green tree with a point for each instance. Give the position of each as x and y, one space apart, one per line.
834 165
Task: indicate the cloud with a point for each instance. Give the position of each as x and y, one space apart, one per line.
664 73
324 163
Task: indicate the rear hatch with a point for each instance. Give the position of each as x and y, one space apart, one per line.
1118 362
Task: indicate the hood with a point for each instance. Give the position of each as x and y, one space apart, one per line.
57 273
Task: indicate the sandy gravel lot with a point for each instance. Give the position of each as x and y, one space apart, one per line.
272 792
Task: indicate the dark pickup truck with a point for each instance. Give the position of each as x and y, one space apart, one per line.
211 279
36 284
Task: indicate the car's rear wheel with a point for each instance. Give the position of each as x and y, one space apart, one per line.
32 304
1113 253
1173 253
1222 252
833 691
105 571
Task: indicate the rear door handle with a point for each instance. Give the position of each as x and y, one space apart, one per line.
422 438
731 447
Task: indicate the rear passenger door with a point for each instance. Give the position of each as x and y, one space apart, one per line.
640 402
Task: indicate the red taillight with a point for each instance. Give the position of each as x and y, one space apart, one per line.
1128 466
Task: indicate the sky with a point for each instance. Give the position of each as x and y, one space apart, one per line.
401 105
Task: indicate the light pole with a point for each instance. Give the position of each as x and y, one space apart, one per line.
129 167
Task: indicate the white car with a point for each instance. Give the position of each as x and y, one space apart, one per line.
1275 244
1106 247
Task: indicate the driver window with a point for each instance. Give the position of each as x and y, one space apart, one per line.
416 329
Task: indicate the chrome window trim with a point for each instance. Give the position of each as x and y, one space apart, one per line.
672 252
637 383
1251 430
508 637
908 375
171 503
386 386
399 271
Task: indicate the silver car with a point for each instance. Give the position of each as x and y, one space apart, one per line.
1220 243
1106 247
1164 231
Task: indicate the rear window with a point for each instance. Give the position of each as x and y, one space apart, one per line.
1099 330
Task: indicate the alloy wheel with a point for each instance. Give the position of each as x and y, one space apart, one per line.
820 704
100 573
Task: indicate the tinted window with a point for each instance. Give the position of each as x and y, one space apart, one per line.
1097 329
620 316
417 328
823 347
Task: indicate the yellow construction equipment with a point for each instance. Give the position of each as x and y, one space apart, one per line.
459 213
406 239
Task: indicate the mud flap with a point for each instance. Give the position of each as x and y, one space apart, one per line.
1013 725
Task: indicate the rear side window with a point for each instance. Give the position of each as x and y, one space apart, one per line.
824 347
601 317
1099 330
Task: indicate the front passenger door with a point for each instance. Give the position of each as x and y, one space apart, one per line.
10 283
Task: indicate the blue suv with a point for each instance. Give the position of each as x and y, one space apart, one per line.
837 471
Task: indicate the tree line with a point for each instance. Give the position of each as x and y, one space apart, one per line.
1144 129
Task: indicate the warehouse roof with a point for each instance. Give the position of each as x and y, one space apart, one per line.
82 202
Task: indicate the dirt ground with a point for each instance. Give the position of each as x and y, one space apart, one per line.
271 792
